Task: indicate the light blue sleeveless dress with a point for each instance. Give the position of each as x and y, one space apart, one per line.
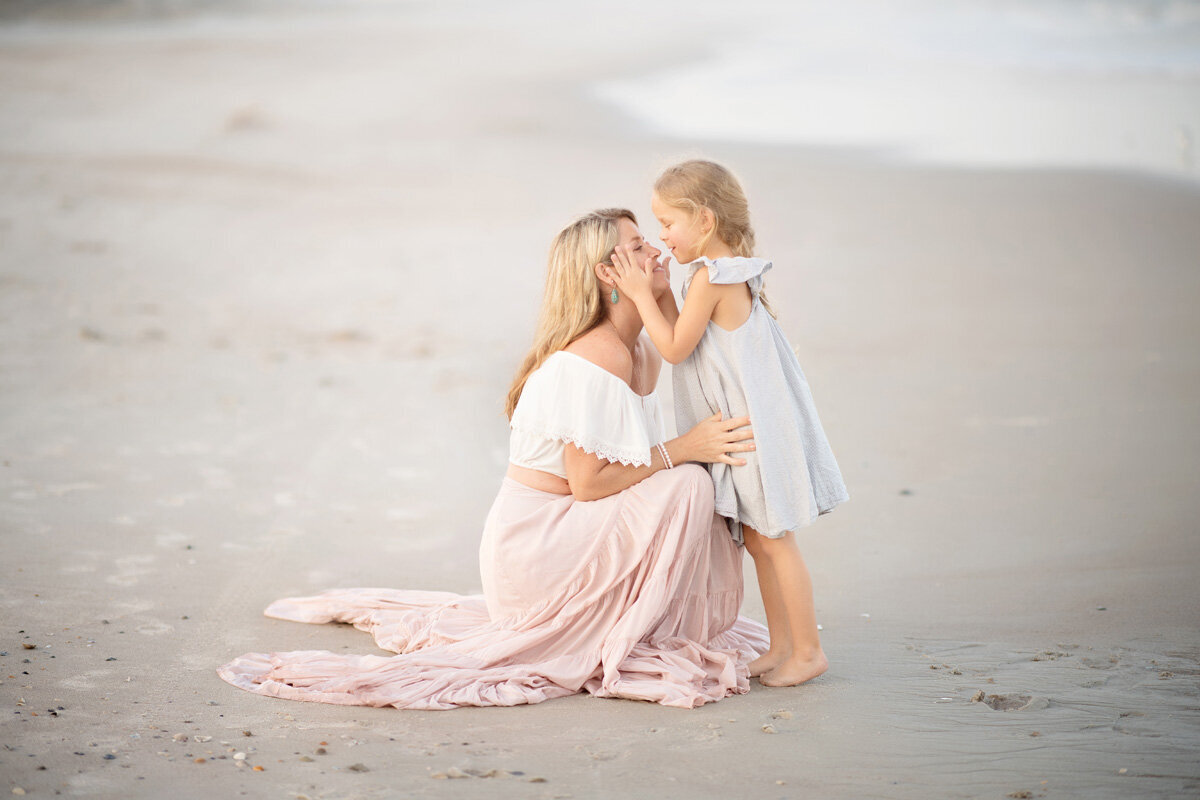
792 476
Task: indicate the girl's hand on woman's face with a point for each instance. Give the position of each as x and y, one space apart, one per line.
633 279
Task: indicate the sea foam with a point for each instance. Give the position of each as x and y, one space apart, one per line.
1072 83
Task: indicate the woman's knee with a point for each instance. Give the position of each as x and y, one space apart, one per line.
695 481
695 476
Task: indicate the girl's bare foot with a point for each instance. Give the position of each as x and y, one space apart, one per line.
766 662
795 670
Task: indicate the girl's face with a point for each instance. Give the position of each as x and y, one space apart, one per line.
681 231
640 249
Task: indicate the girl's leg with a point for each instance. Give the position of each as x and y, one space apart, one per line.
806 659
777 620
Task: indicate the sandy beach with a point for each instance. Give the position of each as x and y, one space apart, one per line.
265 276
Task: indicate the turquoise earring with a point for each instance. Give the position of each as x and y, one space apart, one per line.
614 296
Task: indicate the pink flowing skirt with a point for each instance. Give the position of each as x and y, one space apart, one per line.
635 595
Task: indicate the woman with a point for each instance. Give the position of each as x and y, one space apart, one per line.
604 567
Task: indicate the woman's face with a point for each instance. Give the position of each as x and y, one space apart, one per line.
631 238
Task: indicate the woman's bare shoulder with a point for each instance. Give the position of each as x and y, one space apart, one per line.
647 364
605 349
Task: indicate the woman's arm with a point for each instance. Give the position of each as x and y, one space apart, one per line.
591 477
712 440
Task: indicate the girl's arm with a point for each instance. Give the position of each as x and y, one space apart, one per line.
666 304
675 339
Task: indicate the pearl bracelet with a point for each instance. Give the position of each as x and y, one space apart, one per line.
666 457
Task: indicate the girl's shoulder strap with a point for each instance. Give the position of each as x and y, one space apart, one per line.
734 269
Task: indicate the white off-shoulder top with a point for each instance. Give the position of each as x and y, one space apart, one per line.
570 399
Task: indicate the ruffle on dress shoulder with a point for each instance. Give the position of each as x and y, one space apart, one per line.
734 269
570 399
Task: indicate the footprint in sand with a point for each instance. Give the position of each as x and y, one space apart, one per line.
1135 723
128 607
170 539
601 755
175 501
84 681
216 478
54 448
1011 702
130 569
58 490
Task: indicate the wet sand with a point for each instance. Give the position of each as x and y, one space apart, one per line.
264 279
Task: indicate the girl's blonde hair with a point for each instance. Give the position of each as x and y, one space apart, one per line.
699 185
572 304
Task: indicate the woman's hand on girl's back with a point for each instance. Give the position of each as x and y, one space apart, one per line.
713 439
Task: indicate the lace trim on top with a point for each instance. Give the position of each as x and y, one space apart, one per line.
570 399
595 447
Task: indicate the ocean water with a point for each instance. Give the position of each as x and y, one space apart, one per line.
995 83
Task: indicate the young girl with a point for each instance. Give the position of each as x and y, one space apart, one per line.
732 357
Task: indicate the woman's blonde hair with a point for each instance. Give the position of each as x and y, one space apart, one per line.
697 185
572 304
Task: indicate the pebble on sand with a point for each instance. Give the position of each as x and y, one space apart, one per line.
768 729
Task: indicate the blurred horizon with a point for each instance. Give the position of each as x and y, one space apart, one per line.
1077 84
